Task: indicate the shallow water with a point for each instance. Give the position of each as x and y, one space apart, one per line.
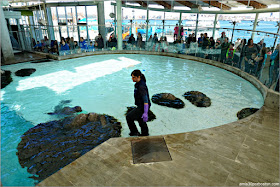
103 84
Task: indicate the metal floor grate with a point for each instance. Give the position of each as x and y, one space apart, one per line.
150 150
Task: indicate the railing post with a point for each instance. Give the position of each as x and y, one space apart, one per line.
215 23
255 25
119 24
196 25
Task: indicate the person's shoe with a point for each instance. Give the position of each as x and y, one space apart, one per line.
144 134
134 134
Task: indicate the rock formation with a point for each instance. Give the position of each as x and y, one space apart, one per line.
6 78
48 147
167 99
198 99
245 112
25 72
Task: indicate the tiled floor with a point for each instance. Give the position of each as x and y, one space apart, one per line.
239 152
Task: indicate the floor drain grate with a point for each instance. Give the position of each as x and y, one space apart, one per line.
149 150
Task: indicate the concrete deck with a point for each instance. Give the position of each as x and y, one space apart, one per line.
240 152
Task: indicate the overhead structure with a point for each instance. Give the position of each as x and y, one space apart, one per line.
164 4
254 4
218 5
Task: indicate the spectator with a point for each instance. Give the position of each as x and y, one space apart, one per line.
64 46
131 39
222 38
274 66
212 42
205 41
112 41
224 48
261 59
83 44
90 48
71 43
100 42
38 46
250 51
182 31
139 40
193 37
189 40
176 31
237 43
33 42
200 40
164 45
230 54
261 44
241 49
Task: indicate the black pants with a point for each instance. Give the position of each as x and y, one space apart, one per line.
133 115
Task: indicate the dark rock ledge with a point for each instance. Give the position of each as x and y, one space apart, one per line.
25 72
245 112
198 99
48 147
167 99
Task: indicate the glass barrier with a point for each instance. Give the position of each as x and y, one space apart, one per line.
161 39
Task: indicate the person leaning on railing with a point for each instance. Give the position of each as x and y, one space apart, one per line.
261 58
224 48
241 49
251 52
274 66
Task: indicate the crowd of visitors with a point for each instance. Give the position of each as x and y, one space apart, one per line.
241 54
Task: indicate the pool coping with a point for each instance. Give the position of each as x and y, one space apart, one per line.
243 151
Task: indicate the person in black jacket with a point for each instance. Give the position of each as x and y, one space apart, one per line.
100 41
142 101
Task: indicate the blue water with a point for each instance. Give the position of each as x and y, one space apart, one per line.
103 84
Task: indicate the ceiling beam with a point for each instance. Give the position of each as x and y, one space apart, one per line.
218 5
186 3
142 3
163 3
254 4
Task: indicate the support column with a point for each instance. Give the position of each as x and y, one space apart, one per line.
196 25
47 19
87 25
215 23
147 25
59 30
276 36
21 39
78 27
39 27
66 22
255 25
31 25
180 20
119 24
115 21
101 20
50 24
7 49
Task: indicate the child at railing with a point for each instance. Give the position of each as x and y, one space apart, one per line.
252 64
90 48
230 55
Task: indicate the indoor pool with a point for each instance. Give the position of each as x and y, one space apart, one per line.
102 84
